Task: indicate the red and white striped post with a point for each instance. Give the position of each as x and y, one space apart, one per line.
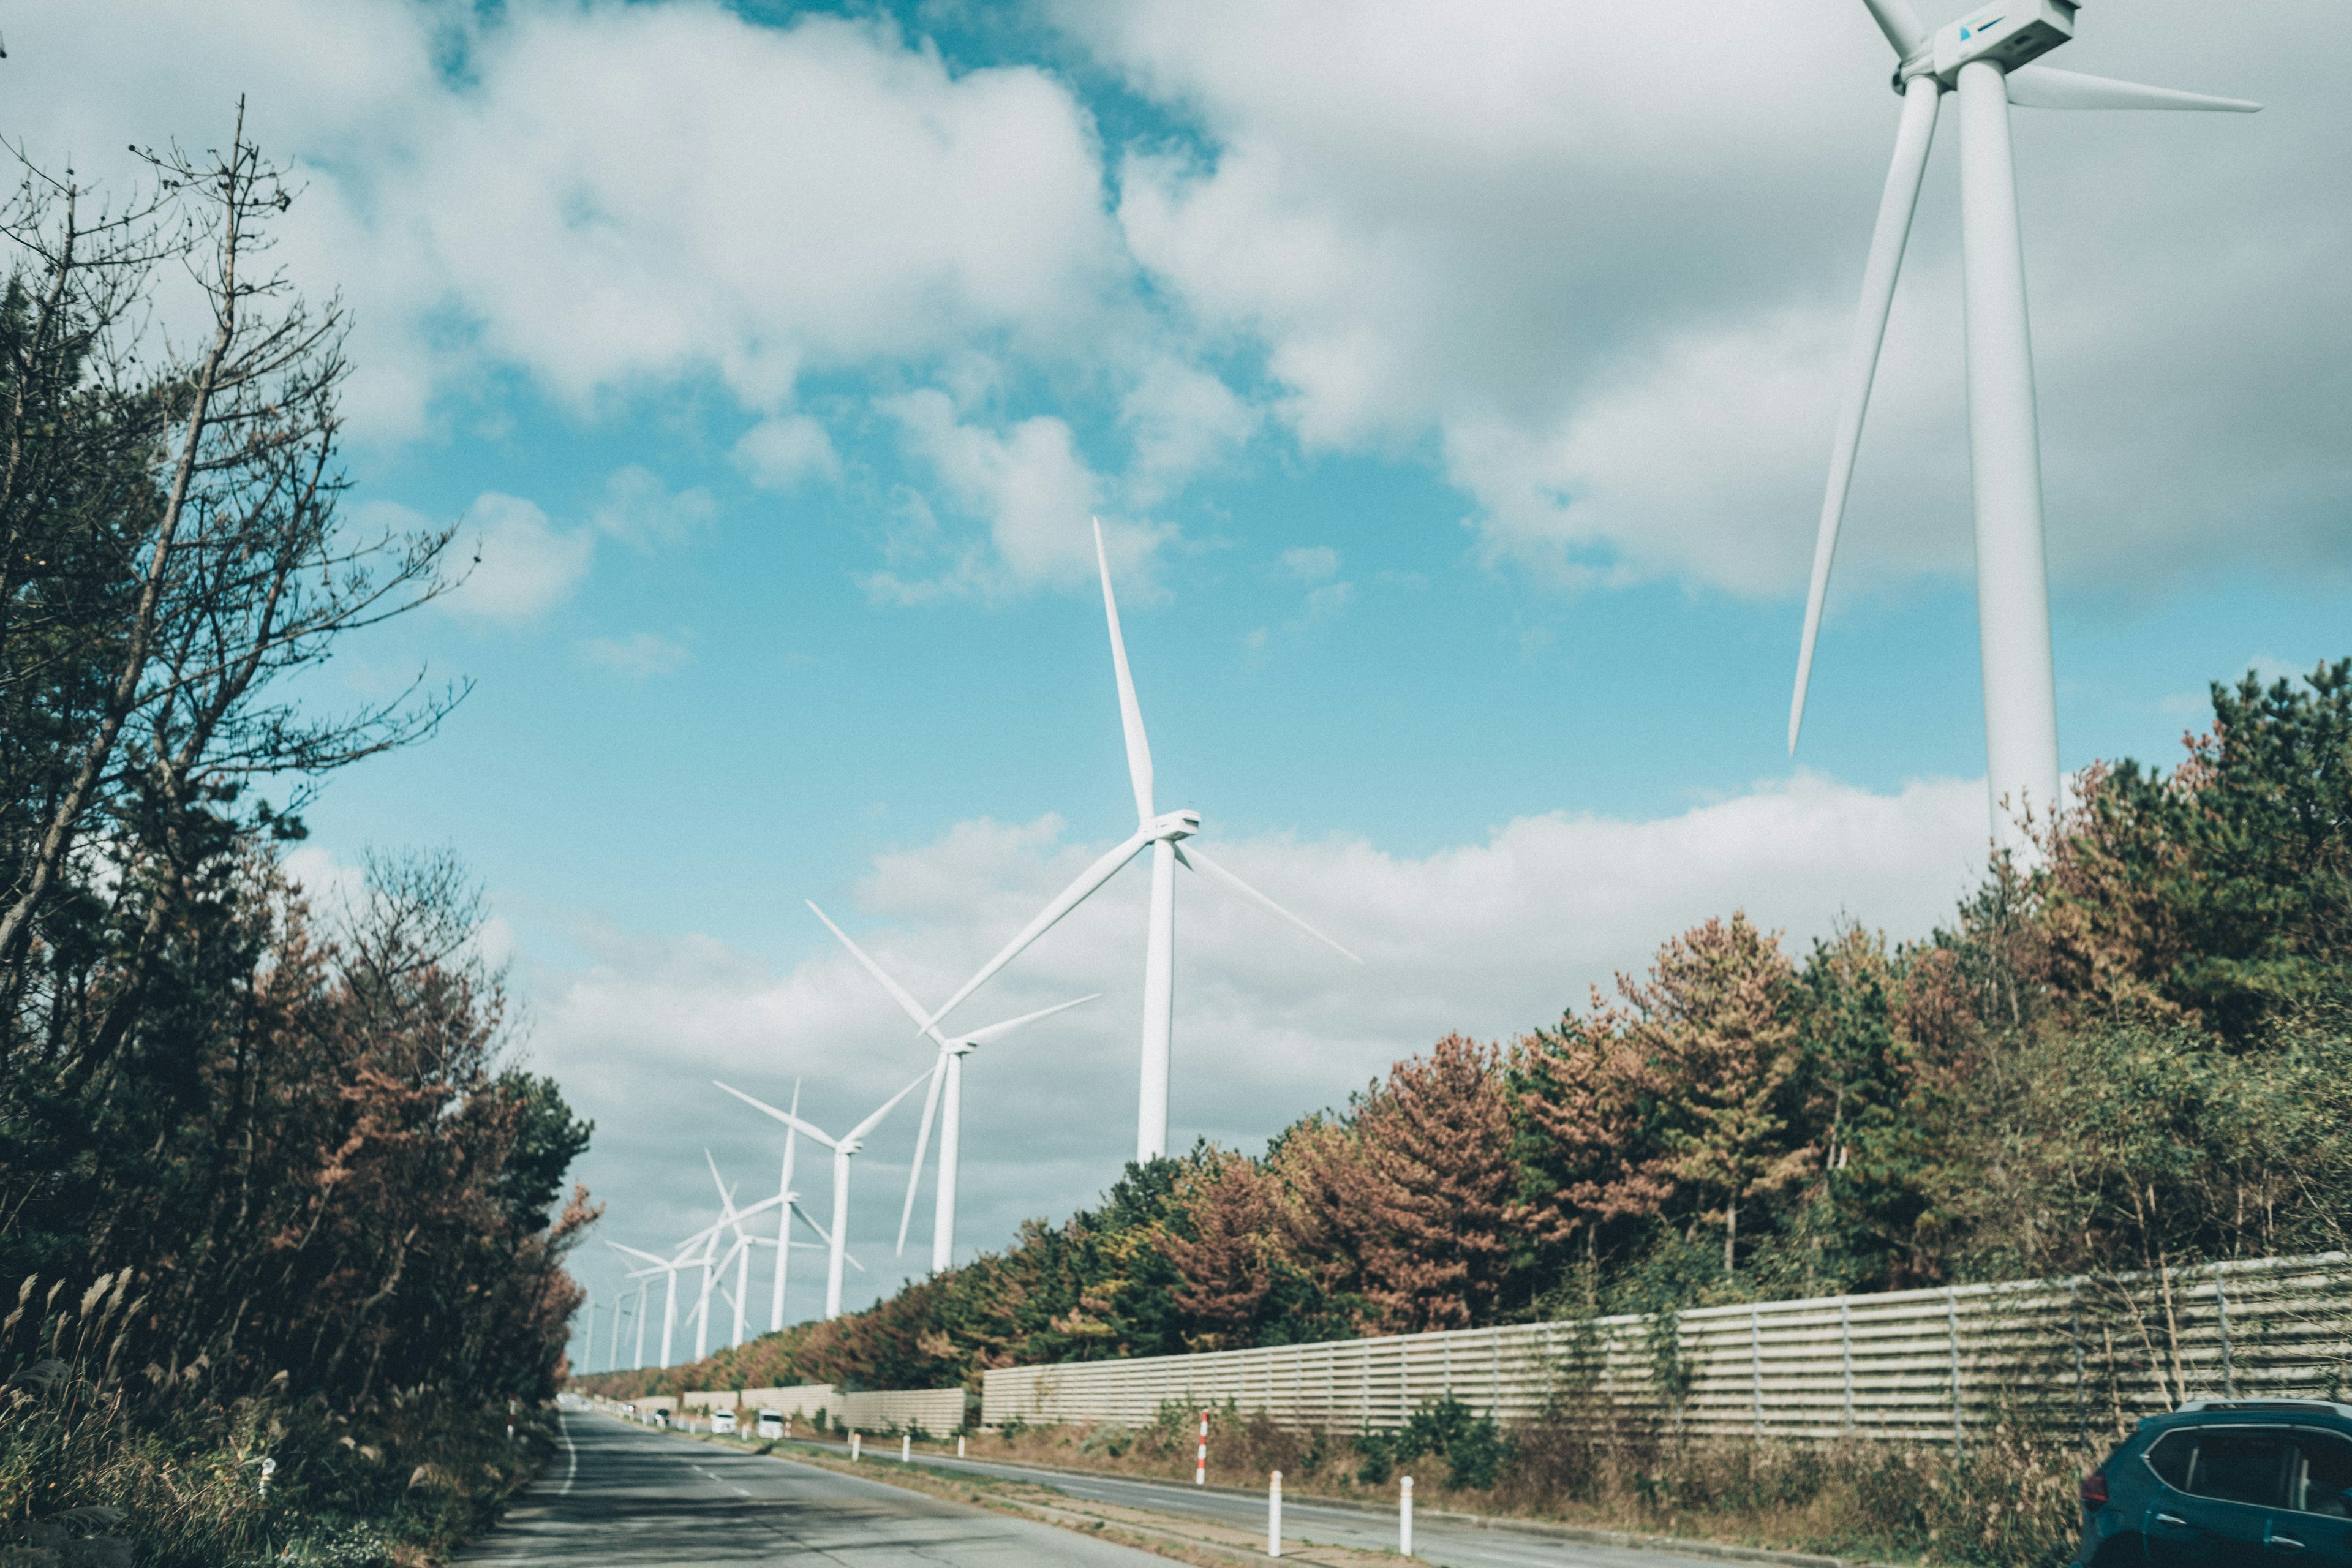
1201 1464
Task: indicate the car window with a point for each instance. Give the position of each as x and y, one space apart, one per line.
2322 1482
2242 1463
2169 1456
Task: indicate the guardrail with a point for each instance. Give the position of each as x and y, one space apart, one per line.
2089 1353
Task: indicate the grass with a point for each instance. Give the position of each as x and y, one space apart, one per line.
105 1469
2008 1503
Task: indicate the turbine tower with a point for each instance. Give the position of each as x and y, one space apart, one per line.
1163 832
845 1149
947 1086
1985 58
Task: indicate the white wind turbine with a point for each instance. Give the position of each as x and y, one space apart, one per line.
679 1260
739 1254
946 1091
845 1149
669 1270
1985 58
1162 832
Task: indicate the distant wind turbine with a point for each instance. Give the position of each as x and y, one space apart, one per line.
1985 58
947 1090
680 1260
845 1149
1163 832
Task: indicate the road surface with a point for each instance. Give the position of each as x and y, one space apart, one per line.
619 1495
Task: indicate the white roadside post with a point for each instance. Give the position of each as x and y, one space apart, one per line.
853 1448
959 1444
1404 1519
1274 1517
906 1448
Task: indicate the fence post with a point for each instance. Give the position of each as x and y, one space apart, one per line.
1274 1517
1756 1364
1952 1328
1846 1355
2229 1370
1404 1518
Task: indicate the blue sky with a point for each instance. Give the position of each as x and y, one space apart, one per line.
1456 390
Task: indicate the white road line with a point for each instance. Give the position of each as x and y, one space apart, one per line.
572 1455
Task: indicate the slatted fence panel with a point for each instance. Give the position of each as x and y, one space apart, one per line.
2091 1355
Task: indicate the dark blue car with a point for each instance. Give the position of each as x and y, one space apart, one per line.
2225 1483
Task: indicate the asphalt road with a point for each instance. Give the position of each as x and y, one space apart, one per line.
1436 1540
621 1495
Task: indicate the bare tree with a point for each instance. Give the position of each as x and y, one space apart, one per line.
211 563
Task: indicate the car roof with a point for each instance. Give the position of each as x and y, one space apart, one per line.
2188 1414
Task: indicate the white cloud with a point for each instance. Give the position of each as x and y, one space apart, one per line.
1027 484
1493 938
638 657
638 510
1312 563
609 195
1608 263
1181 420
787 451
518 565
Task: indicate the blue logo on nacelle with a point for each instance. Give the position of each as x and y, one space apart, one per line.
1971 29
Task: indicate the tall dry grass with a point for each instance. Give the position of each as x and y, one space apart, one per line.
103 1465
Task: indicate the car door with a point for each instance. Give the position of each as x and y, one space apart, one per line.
2222 1485
2316 1525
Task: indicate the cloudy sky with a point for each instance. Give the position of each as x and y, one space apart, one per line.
1455 384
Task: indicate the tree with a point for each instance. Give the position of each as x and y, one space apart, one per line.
1434 1187
174 552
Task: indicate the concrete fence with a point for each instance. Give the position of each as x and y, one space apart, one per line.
936 1411
2088 1355
933 1410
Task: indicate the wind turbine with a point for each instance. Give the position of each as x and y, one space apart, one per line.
947 1085
1163 832
670 1267
844 1148
669 1270
741 1253
1985 58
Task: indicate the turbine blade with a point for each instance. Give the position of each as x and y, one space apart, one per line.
1068 898
998 1031
726 1198
922 1145
1131 713
634 1252
857 1133
907 1003
1912 140
1900 23
1212 866
786 1117
2046 87
808 1219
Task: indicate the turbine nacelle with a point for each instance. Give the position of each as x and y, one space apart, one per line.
1172 826
2007 35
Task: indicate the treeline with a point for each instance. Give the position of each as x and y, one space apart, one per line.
268 1188
2136 1053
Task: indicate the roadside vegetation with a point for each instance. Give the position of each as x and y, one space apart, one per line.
2136 1056
281 1222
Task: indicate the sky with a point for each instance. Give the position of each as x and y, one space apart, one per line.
1454 386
